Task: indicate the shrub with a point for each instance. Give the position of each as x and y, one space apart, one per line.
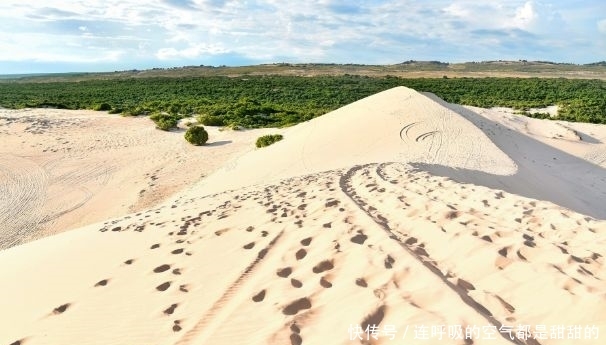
102 107
269 139
210 120
164 121
196 135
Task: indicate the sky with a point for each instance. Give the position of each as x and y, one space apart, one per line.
107 35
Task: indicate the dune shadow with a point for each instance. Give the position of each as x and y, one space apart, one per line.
219 143
544 172
588 138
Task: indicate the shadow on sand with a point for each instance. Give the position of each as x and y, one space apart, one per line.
544 172
218 143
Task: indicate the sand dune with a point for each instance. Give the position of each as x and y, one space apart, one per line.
397 125
344 224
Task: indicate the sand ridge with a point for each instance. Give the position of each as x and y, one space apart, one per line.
398 125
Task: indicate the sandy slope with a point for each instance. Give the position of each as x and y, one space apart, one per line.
395 125
64 169
275 249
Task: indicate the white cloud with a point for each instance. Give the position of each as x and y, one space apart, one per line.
191 52
525 16
315 30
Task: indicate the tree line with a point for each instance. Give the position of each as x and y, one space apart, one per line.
275 101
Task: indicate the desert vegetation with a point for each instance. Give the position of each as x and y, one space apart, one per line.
196 135
278 101
269 139
165 121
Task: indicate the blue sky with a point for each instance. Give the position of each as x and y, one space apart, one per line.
108 35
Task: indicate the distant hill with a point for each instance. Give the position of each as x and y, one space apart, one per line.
406 69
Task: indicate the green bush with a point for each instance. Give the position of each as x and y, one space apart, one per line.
164 121
196 135
210 120
102 107
269 139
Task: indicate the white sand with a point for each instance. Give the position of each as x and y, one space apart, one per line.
64 169
339 225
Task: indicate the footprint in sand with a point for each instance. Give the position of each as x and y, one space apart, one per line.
374 318
284 272
361 282
306 242
163 286
389 261
521 256
295 329
452 215
161 268
61 309
295 339
102 282
325 265
170 310
296 283
325 283
331 203
296 306
360 238
300 254
177 327
259 297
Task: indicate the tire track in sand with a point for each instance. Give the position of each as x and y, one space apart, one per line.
22 193
222 308
349 189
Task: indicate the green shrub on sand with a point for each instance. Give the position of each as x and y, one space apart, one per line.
210 120
269 139
196 135
102 107
164 121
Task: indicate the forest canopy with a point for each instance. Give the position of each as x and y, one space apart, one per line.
276 101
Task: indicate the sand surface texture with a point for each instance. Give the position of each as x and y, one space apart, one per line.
64 169
399 211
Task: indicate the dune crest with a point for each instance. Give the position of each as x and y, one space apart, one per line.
397 125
